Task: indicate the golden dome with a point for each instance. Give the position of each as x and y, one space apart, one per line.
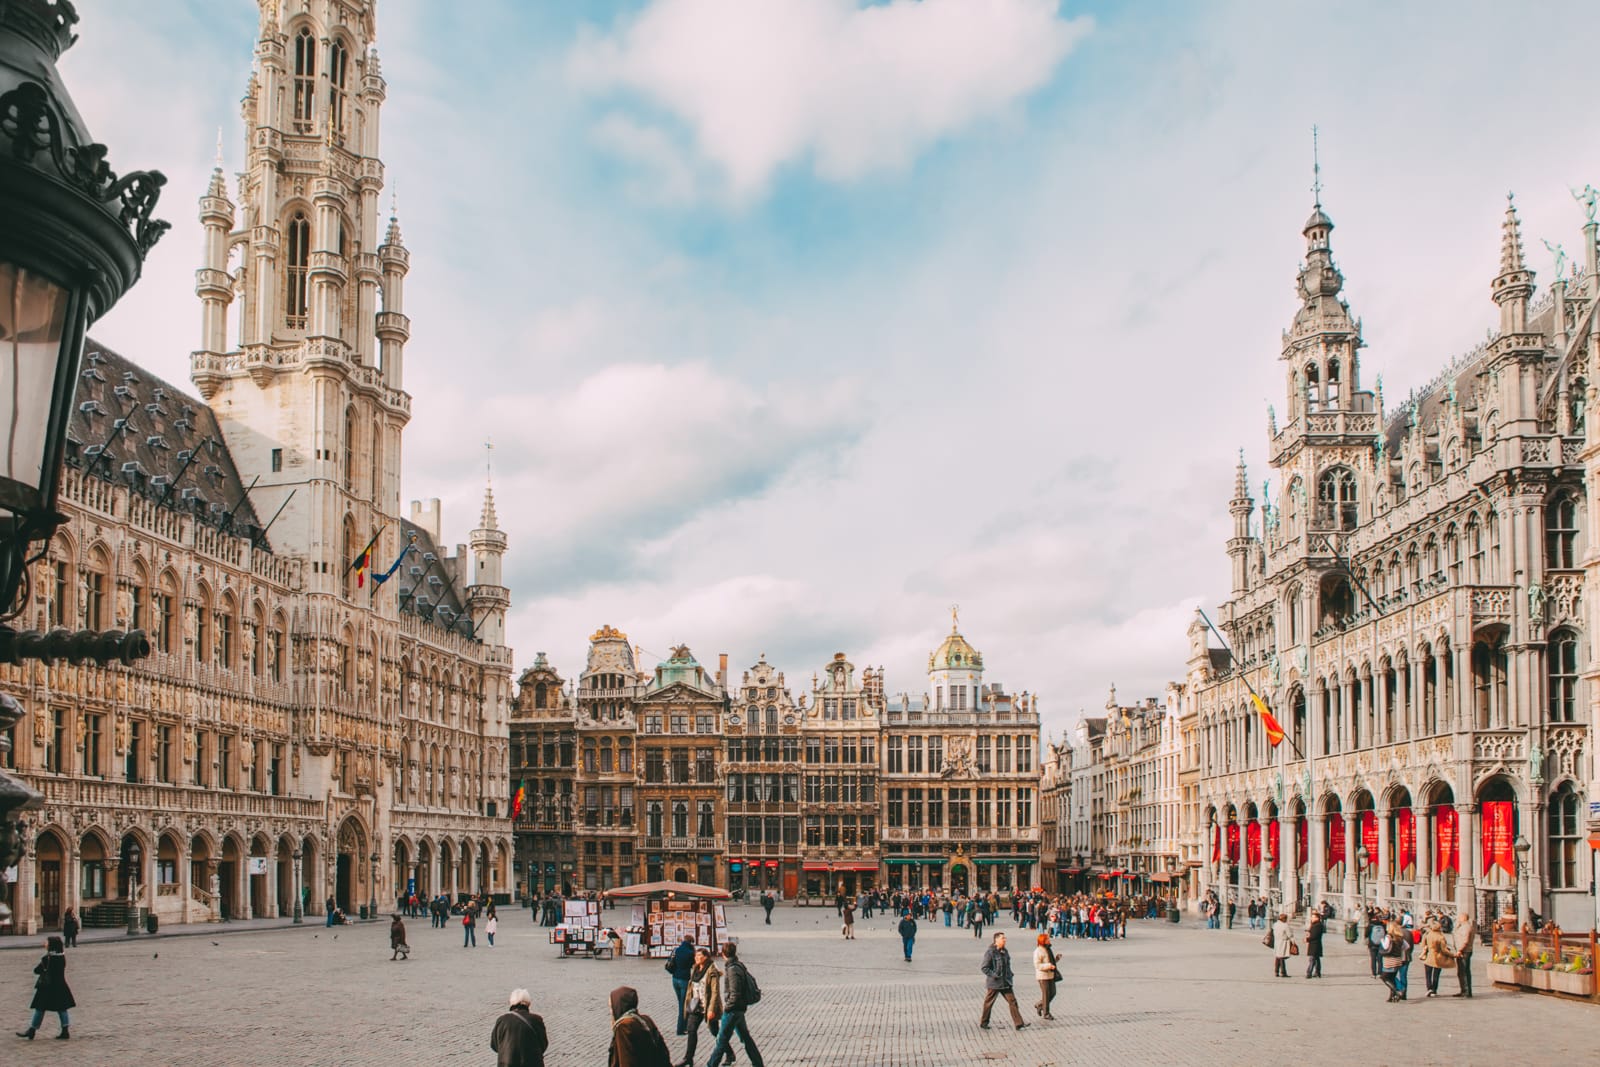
955 652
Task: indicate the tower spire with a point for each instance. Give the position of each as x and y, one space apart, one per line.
1513 286
1316 171
1511 259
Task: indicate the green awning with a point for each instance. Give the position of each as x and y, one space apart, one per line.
914 859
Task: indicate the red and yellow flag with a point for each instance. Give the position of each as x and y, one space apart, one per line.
517 800
1274 731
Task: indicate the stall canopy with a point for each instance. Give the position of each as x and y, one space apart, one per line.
686 890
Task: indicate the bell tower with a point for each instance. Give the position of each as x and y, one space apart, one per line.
302 333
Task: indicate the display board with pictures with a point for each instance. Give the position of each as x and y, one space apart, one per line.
669 921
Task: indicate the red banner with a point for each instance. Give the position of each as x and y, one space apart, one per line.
1233 842
1497 836
1216 842
1302 848
1369 836
1272 841
1252 844
1446 839
1335 840
1405 832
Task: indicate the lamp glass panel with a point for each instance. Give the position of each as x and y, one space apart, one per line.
33 315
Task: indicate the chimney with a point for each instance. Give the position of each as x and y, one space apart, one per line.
722 670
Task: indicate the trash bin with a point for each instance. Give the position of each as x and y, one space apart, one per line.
1173 915
1352 930
363 911
152 922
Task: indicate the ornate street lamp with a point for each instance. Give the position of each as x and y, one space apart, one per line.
1522 847
73 237
372 890
299 907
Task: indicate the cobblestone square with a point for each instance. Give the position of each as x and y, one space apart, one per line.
1164 995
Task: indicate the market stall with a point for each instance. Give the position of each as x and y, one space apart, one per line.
663 913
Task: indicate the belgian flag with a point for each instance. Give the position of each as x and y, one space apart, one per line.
1274 731
364 560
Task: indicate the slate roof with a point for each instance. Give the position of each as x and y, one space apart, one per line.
427 590
131 428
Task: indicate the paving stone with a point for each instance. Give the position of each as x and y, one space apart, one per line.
1166 994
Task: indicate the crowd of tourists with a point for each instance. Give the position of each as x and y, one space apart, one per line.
1080 916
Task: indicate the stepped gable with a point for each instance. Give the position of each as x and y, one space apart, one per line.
164 427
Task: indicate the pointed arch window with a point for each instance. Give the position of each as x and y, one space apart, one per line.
1336 499
1565 838
376 459
296 273
166 605
680 819
1333 383
305 81
1313 388
338 88
1561 666
96 577
202 628
349 449
1561 531
1452 551
1474 551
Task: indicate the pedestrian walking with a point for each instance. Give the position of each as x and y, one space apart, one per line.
1281 941
328 909
1048 974
398 949
1233 906
50 991
739 992
1315 928
1436 955
849 930
469 928
1394 938
519 1035
69 929
635 1039
998 981
766 906
975 920
703 1004
1464 930
1375 935
908 933
490 926
681 967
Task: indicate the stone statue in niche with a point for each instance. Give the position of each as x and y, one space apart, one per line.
1536 602
1536 764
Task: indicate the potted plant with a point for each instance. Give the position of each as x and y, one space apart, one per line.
1575 976
1507 966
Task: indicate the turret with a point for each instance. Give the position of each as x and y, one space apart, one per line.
487 596
1240 508
212 282
394 329
1513 286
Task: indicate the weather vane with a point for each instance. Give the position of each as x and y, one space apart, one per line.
1316 169
488 459
955 616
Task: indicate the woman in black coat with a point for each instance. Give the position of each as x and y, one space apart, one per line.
1314 930
50 991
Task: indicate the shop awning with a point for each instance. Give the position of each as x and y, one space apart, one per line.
1161 876
1071 870
855 866
813 866
914 859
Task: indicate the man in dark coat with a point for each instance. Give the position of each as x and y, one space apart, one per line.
766 906
681 966
397 939
908 933
51 992
998 981
735 1001
635 1041
519 1035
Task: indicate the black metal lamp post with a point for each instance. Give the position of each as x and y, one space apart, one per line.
299 906
372 890
73 237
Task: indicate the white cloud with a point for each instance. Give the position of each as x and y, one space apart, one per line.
763 83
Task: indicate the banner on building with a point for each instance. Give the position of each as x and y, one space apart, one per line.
1335 839
1272 842
1446 839
1233 842
1216 843
1498 817
1252 844
1302 843
1369 836
1405 832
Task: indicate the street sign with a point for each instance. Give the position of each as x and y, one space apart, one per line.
411 887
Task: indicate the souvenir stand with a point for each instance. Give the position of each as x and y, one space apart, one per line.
579 932
664 912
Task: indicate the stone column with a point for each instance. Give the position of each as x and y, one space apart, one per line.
1264 868
1317 857
214 887
1468 851
185 883
1422 873
1387 884
72 879
1288 850
1352 832
24 905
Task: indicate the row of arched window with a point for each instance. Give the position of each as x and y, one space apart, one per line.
303 117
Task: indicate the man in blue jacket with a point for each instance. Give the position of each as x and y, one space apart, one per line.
908 933
681 966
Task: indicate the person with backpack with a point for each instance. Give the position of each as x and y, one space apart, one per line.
519 1036
740 993
766 906
681 967
469 928
908 933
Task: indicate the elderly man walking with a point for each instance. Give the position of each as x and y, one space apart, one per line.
1465 928
998 981
519 1037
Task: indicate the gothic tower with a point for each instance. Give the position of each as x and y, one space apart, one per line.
306 377
487 596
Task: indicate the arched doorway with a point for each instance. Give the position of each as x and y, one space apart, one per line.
349 878
230 876
447 870
486 881
261 895
403 887
202 868
312 887
959 877
1499 830
424 870
51 856
130 869
169 853
285 876
92 872
680 874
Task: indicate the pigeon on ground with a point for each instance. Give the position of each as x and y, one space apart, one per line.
216 942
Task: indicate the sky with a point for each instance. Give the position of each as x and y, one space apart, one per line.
796 322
